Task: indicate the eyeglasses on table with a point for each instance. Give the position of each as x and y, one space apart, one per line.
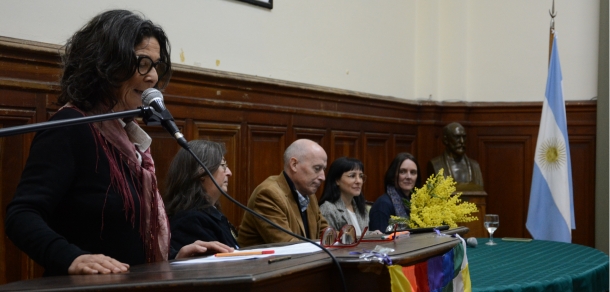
347 237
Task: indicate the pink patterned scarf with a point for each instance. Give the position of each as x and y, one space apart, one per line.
154 225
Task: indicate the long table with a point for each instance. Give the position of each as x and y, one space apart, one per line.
537 265
305 272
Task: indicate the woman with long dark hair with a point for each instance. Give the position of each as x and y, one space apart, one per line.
88 202
192 198
342 201
401 177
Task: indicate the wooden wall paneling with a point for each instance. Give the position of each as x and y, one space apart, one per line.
582 118
189 130
317 120
505 166
429 140
14 150
429 135
265 94
20 65
319 136
472 147
163 149
266 147
344 143
3 197
376 153
403 143
455 112
42 103
486 114
229 134
582 152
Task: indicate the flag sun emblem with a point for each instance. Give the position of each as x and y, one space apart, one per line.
552 154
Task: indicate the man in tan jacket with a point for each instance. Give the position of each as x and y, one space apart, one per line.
288 199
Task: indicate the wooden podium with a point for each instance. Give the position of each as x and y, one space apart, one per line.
474 194
305 272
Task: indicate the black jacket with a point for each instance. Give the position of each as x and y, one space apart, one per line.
63 206
205 225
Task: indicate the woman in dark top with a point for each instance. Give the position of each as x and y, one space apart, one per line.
401 177
87 201
193 199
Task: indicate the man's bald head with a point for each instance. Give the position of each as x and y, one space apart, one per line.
304 163
296 149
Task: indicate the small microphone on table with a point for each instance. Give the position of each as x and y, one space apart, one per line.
472 242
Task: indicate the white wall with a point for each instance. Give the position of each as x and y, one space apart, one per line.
473 50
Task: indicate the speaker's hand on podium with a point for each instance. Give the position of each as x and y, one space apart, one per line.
88 264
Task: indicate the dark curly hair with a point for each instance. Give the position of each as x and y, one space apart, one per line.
100 57
183 189
332 193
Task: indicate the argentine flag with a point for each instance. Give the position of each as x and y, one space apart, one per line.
551 209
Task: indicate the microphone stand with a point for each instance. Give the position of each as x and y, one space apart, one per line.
145 112
152 118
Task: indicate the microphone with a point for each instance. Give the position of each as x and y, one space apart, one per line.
472 242
153 98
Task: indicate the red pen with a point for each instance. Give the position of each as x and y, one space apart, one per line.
398 235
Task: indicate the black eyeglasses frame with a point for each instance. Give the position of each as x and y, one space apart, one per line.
160 73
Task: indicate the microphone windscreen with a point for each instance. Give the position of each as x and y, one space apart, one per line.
472 242
149 94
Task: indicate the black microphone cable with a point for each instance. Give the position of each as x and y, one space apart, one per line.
269 221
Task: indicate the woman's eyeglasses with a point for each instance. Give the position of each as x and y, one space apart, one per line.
223 164
347 237
145 64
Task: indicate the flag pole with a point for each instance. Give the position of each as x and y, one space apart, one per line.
552 30
550 214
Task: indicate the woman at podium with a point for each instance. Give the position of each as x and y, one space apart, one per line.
87 201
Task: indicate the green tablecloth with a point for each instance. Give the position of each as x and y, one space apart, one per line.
538 265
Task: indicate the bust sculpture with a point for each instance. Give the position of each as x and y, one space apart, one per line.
465 171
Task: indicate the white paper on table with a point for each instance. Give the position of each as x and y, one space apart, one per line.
298 248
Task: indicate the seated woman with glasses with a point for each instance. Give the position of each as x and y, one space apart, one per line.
342 202
193 199
400 179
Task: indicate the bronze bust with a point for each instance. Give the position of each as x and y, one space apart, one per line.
465 171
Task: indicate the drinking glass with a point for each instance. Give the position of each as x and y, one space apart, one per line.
492 221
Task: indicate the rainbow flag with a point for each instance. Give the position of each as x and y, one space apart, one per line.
447 272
